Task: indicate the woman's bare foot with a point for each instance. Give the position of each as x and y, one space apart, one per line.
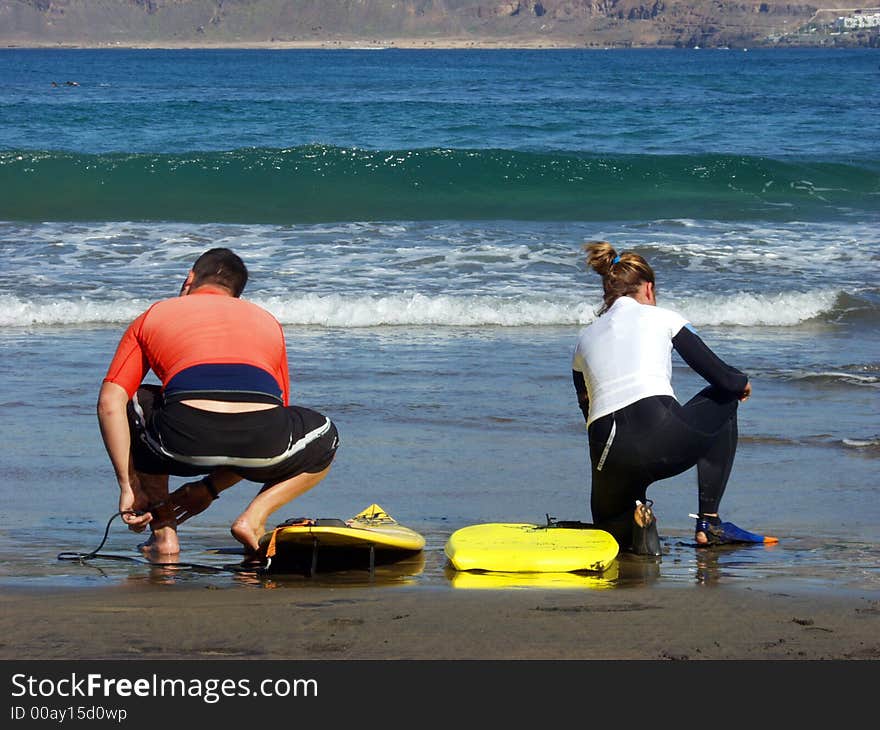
644 514
700 537
645 538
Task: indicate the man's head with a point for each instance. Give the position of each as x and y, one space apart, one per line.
221 267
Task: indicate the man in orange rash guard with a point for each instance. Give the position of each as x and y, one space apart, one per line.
222 410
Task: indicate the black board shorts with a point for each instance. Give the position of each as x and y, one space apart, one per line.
266 446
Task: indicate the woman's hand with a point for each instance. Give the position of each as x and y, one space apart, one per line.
747 392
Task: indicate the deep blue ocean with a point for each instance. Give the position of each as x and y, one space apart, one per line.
415 220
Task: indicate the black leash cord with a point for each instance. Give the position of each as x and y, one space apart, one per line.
82 557
88 556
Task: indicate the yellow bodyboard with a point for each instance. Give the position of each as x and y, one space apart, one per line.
475 579
372 526
525 548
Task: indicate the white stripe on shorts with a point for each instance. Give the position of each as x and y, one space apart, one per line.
294 448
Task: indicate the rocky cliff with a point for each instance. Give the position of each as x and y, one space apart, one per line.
427 23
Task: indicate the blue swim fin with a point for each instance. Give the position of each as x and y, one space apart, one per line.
726 533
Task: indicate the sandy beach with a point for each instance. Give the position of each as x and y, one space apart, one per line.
324 622
503 656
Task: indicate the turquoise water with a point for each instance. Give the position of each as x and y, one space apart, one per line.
414 219
318 183
315 136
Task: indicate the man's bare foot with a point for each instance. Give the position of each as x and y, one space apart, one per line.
162 542
247 534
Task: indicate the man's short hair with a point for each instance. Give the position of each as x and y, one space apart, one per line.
221 266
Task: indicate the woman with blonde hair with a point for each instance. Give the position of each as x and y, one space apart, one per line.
638 432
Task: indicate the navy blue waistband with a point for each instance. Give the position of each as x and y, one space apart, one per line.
232 381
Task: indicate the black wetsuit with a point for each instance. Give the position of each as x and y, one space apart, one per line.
657 437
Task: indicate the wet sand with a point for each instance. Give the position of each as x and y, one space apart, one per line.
414 633
308 621
785 601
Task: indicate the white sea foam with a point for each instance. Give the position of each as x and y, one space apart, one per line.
15 312
747 309
417 309
868 443
841 377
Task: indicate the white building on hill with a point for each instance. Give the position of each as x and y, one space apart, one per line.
859 21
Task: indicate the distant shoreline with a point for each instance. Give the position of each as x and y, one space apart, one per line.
440 45
444 44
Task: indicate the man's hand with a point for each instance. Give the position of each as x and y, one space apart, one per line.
747 392
128 505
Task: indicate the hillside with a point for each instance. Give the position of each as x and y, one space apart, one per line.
429 23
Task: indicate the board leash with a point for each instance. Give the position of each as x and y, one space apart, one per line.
96 553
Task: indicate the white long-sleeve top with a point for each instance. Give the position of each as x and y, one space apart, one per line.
626 355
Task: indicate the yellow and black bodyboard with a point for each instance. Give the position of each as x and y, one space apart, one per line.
341 543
